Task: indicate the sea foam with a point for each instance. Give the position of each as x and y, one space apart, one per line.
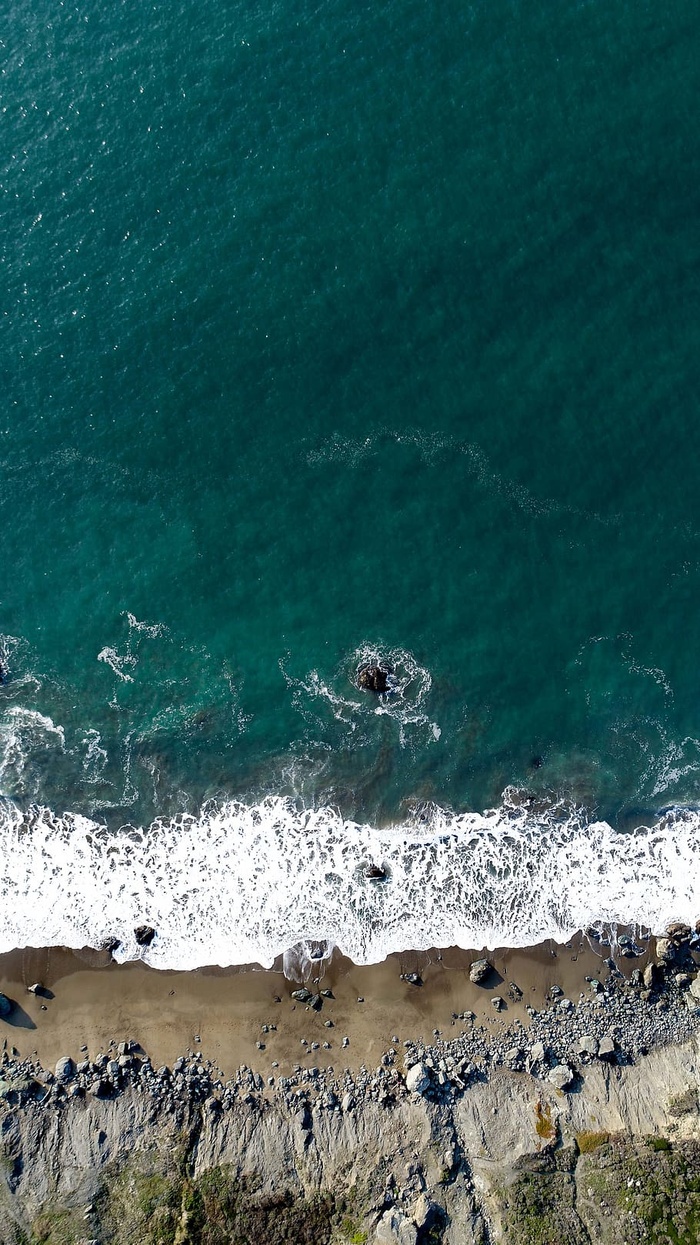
243 883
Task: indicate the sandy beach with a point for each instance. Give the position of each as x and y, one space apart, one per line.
88 1001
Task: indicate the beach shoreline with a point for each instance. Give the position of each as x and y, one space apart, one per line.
89 1001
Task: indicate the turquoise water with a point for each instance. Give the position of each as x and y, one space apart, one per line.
344 329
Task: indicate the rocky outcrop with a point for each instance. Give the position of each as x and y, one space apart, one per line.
374 678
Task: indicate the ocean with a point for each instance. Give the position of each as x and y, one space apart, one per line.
338 336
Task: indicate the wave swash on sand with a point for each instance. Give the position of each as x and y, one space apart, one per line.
243 883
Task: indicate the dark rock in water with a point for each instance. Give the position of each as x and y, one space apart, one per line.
144 935
5 1005
375 873
537 762
4 674
374 678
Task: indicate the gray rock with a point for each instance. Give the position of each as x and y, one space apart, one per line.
586 1045
651 976
497 1002
607 1047
479 971
65 1070
537 1052
695 989
423 1211
560 1076
395 1228
418 1078
665 950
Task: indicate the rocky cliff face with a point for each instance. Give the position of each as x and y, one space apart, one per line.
510 1160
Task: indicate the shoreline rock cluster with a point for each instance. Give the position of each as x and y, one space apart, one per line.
617 1022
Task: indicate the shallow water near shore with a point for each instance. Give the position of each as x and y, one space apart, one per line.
338 337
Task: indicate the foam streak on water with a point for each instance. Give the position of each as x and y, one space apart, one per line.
243 883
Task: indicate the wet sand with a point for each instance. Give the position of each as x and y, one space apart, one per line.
89 1001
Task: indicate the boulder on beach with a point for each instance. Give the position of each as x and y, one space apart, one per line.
607 1048
373 678
418 1078
65 1070
144 935
560 1076
479 971
665 950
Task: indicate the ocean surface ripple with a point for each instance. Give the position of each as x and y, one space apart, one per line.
243 883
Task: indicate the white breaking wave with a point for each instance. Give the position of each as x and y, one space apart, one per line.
244 883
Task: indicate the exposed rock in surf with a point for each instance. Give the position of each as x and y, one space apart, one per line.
144 935
479 971
4 674
111 945
375 873
374 678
